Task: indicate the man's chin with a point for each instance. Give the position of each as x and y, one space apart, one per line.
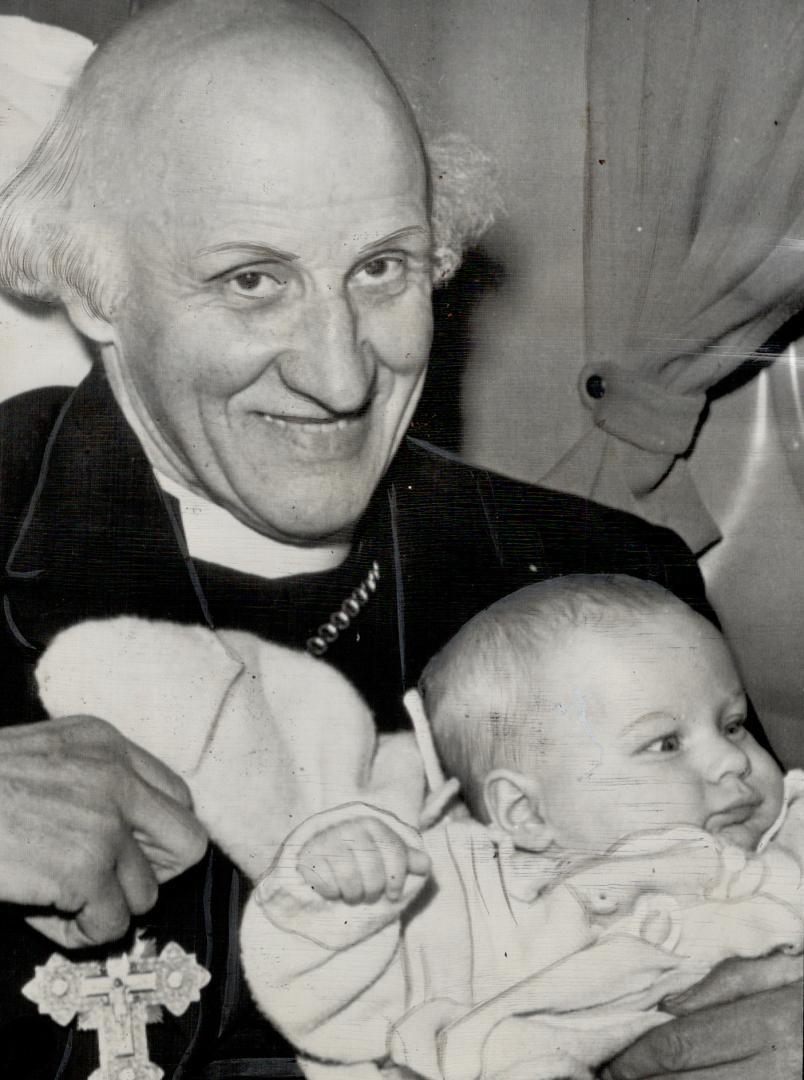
298 507
313 530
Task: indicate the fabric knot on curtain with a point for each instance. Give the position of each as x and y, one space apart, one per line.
693 233
641 410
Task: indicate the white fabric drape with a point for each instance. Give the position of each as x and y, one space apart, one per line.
694 232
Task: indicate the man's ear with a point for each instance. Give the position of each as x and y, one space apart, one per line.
87 322
514 804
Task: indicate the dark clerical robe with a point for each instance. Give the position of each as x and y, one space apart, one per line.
86 533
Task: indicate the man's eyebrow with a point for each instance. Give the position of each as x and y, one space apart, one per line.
739 697
248 247
400 234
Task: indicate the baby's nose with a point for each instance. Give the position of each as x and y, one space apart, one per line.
724 758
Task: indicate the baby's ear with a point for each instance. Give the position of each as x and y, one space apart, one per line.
513 803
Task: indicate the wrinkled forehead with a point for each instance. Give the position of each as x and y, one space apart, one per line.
300 144
242 123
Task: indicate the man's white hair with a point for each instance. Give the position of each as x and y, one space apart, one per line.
49 252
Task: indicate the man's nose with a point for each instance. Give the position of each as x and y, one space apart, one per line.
724 758
328 363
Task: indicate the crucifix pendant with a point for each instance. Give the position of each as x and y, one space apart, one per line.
118 999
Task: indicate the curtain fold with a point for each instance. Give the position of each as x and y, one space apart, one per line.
694 232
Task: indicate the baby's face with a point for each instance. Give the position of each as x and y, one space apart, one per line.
650 731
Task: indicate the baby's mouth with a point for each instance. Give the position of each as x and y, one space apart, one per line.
735 814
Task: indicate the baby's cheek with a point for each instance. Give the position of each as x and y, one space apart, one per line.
672 799
769 782
745 835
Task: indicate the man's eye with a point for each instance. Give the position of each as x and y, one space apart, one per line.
667 744
256 284
385 272
734 729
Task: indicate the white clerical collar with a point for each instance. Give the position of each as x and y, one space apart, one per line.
216 536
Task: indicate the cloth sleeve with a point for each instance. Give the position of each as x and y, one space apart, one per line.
328 974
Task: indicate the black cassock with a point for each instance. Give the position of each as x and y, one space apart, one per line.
86 533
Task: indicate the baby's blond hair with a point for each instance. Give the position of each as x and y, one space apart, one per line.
482 691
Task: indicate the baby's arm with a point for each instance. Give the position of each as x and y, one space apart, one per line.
320 934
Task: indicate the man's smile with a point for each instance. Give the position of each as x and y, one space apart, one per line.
309 423
311 438
320 423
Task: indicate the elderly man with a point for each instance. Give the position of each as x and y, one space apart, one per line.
236 210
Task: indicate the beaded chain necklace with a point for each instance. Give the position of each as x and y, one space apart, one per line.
318 643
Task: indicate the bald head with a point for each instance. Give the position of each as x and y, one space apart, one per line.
235 79
199 70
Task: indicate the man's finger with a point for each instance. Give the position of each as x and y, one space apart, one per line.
137 879
155 773
106 916
732 1070
735 979
59 929
94 733
170 835
723 1034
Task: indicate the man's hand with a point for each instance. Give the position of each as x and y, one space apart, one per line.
90 825
742 1022
359 861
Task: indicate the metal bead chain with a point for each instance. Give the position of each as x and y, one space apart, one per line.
339 620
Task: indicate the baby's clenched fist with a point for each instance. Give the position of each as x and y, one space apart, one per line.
360 860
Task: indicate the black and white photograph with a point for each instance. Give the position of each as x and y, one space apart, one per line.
402 539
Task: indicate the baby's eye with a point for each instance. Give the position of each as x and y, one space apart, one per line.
667 744
257 284
387 273
734 729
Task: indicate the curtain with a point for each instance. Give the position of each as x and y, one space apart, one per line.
693 233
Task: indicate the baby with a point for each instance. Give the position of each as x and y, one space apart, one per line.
627 833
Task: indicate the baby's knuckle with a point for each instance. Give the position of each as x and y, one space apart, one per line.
393 840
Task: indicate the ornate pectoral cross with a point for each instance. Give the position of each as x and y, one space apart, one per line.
118 999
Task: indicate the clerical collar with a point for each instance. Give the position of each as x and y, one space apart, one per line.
214 535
